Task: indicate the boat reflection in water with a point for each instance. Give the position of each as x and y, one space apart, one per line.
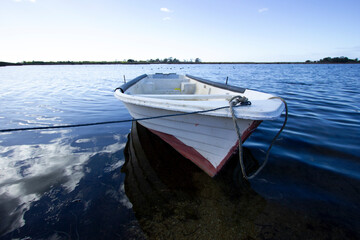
172 198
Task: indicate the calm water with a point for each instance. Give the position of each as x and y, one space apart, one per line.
101 182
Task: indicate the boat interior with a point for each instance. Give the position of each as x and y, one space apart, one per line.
177 87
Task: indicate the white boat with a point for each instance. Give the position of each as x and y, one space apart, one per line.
200 125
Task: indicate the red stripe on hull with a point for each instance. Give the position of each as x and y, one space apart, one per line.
193 155
244 136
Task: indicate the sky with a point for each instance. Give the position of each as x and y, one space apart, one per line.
212 30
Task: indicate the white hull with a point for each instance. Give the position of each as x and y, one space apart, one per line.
208 138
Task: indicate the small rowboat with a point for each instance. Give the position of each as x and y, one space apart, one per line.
199 122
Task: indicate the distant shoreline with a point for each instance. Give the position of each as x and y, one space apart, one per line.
3 64
322 61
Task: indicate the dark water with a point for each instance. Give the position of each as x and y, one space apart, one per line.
101 182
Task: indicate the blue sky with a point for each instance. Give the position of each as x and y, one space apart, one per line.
223 30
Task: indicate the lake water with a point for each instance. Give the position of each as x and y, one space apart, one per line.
100 182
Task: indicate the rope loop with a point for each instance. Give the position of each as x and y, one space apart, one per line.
239 100
244 101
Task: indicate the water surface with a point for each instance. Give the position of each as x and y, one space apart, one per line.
93 182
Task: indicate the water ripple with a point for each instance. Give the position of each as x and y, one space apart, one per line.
315 162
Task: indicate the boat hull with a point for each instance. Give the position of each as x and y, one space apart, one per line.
207 141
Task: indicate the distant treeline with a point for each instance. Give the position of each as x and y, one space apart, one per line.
171 60
3 64
165 60
335 60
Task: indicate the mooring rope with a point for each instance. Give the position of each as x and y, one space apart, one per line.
243 101
110 122
234 102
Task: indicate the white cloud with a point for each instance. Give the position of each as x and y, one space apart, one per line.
166 18
261 10
165 10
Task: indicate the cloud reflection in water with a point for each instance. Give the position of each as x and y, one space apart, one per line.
29 171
